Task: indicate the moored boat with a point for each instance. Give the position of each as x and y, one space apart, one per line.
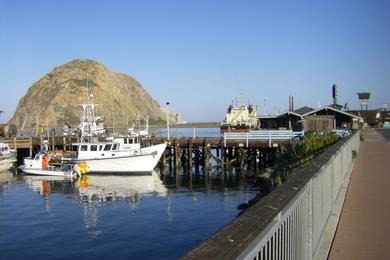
7 157
39 165
121 155
240 118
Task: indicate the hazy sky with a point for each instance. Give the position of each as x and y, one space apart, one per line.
200 55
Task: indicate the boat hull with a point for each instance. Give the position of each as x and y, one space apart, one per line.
40 172
6 164
142 164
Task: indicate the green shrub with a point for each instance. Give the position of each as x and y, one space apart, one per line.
300 153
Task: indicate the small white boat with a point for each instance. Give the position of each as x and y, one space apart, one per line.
7 157
39 165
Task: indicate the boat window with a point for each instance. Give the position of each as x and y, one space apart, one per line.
36 157
136 141
94 148
125 140
84 148
107 147
100 147
114 147
130 141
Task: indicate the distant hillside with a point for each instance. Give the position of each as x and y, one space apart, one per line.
57 96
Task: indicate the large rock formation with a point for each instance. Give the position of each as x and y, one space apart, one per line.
57 96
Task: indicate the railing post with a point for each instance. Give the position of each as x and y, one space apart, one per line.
269 139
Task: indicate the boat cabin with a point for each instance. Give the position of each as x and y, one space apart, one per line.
114 148
5 151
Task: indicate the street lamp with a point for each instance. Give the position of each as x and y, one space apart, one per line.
167 121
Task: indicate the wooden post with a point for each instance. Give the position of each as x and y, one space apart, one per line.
222 155
31 147
241 158
53 141
177 155
64 143
15 147
206 154
197 159
190 154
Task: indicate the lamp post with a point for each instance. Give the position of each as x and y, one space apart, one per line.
167 121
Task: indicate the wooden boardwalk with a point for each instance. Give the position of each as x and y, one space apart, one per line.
363 231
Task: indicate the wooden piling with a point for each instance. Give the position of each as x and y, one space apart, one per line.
189 158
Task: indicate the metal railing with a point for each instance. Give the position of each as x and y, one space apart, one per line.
261 135
298 231
296 221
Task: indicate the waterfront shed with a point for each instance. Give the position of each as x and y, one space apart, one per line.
287 120
341 119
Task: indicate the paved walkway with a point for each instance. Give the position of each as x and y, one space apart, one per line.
364 228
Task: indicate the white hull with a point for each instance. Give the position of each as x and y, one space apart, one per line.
49 173
143 163
6 164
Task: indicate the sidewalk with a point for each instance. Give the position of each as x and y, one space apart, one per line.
364 230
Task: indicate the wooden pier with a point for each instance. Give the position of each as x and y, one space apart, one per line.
234 151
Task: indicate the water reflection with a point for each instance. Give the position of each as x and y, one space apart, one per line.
46 185
102 188
5 181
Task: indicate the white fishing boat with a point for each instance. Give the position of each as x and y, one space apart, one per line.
121 155
39 165
7 157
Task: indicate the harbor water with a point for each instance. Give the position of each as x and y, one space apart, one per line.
118 217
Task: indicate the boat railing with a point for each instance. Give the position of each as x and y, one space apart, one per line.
262 135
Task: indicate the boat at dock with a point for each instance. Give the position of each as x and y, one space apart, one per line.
120 155
40 165
7 157
240 118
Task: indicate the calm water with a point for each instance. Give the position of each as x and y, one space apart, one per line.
116 217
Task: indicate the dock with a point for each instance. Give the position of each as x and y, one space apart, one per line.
250 150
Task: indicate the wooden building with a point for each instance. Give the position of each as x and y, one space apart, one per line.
324 119
341 119
287 120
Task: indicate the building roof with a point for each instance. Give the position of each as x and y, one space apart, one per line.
333 109
281 114
303 110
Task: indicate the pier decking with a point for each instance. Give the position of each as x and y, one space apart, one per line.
363 231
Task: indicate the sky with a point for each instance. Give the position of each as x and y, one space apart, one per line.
202 55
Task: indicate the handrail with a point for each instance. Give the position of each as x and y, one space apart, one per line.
295 220
269 135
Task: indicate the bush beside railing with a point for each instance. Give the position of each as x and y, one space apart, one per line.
288 223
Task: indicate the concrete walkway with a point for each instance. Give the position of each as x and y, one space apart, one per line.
364 228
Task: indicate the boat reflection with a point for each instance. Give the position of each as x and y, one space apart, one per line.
102 188
5 181
46 185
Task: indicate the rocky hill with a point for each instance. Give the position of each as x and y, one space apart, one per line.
57 96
